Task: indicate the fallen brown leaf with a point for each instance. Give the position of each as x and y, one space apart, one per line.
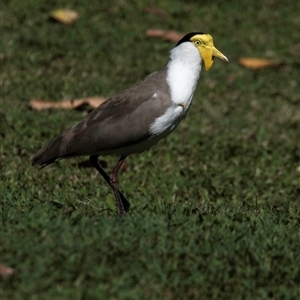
38 104
6 271
155 11
167 35
64 16
257 63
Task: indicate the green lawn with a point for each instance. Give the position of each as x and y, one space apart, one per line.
215 208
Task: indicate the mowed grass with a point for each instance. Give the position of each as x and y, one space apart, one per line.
214 208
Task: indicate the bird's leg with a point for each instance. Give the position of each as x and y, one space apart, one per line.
124 202
114 184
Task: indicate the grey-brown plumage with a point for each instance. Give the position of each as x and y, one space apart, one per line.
120 121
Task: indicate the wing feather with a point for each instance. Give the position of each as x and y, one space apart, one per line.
120 121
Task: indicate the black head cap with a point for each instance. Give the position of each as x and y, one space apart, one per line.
188 37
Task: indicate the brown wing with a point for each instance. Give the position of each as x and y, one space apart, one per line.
121 120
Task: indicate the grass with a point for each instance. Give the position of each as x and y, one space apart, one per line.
214 208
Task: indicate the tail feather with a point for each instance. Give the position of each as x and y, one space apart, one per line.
50 153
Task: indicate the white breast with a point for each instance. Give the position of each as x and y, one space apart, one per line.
166 123
183 72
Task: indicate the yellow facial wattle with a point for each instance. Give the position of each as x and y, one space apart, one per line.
205 45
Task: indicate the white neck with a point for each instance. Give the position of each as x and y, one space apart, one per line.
184 69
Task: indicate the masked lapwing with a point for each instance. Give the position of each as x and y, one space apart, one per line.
137 118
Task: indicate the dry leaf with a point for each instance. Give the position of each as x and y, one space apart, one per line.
257 63
167 35
65 16
155 11
6 271
38 104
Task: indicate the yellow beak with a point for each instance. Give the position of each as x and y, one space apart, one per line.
208 53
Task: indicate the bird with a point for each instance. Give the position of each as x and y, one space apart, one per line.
137 118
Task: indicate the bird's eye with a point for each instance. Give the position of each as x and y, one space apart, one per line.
198 43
